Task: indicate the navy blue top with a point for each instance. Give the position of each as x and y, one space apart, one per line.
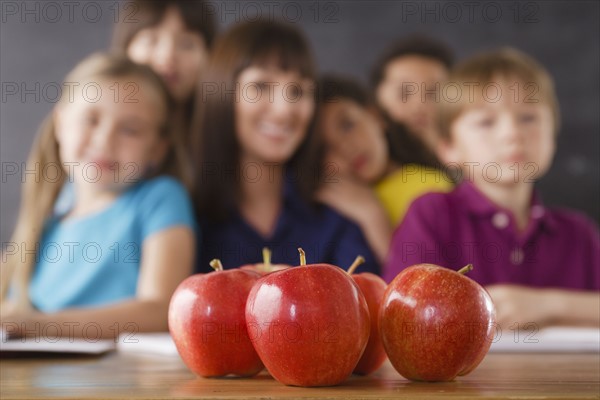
325 236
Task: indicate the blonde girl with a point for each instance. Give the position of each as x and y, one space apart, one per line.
113 258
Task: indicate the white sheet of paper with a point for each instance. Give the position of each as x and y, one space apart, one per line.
551 339
147 343
63 345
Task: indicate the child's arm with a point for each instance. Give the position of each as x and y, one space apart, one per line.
167 258
358 203
524 305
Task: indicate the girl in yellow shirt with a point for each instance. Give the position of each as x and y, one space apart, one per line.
374 169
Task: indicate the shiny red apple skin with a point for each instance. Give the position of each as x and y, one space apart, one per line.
208 324
435 323
373 288
309 324
263 269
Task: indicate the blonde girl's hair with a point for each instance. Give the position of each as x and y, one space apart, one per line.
40 194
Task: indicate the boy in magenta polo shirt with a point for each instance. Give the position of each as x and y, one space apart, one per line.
498 126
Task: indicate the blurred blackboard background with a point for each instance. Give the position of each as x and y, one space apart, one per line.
40 41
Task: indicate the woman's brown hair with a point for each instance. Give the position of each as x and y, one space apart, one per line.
216 148
39 195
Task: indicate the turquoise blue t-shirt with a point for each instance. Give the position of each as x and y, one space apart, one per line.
94 260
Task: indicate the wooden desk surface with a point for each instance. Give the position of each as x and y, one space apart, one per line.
118 375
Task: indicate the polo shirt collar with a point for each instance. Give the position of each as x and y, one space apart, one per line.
477 204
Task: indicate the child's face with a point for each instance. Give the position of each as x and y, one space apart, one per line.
273 109
355 139
403 93
175 53
510 141
114 141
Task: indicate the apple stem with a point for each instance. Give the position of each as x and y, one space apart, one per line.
357 262
302 256
216 264
465 269
266 253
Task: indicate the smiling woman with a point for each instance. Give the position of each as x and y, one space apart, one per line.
269 125
256 109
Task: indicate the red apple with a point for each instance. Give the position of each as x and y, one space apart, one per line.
208 324
373 288
309 324
265 267
435 323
